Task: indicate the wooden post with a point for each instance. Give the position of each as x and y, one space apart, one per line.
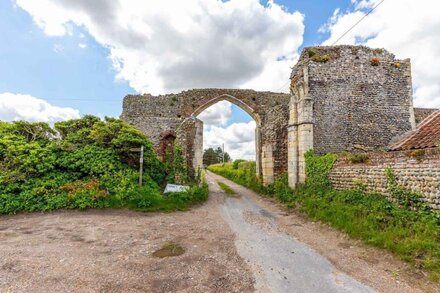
141 166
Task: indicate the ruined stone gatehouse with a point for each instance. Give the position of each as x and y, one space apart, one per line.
169 118
342 98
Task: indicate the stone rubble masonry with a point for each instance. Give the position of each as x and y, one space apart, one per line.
190 139
421 113
419 175
346 103
157 116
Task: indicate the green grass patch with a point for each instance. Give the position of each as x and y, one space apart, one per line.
227 189
405 227
168 250
176 201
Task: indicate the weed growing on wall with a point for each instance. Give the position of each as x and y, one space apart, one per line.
375 61
403 197
318 168
356 158
416 154
178 170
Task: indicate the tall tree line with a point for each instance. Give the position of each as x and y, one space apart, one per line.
214 156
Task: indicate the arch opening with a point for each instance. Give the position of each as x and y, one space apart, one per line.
233 100
166 146
230 122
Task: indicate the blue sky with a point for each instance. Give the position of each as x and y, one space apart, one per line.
57 70
71 77
65 58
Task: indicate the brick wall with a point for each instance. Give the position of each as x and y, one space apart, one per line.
420 175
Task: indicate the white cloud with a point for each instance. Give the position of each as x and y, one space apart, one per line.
239 139
82 45
217 114
408 28
25 107
166 46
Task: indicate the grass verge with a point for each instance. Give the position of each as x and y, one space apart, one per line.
413 235
227 189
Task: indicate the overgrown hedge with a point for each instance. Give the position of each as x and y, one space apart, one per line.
244 174
81 163
405 227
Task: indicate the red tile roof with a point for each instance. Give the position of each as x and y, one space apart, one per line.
427 135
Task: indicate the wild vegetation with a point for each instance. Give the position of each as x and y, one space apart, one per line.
83 163
244 174
226 188
406 226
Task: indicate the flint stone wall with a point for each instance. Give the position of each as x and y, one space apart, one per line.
419 175
421 113
341 101
356 106
157 115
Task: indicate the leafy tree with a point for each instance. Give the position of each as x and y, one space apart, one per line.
219 153
211 156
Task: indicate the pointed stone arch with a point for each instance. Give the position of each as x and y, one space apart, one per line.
226 97
245 107
155 115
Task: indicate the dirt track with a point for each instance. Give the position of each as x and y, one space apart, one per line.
111 251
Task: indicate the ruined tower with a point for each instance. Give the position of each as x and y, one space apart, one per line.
346 98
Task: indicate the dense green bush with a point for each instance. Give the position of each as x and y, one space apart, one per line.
406 227
81 163
318 168
235 163
244 175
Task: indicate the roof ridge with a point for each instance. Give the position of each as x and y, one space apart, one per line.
420 129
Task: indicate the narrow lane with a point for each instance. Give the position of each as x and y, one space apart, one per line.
279 262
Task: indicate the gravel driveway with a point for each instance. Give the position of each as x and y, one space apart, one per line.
242 244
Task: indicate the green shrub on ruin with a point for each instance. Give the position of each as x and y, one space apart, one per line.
312 52
356 158
379 50
403 197
321 58
317 168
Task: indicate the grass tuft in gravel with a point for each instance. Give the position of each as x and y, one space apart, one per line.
168 250
227 189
